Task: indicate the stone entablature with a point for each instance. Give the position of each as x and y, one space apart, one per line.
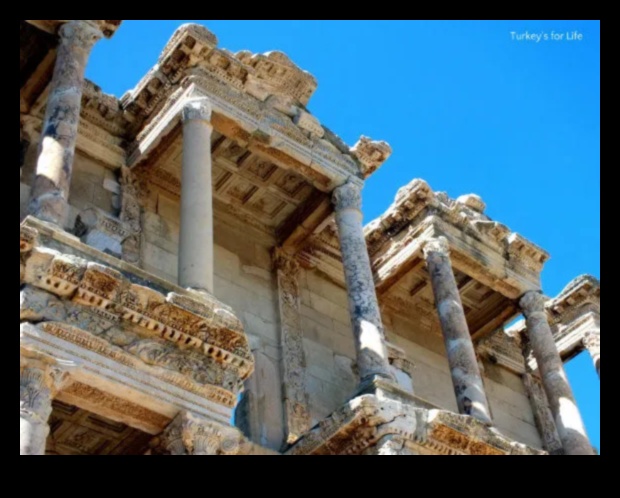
365 424
258 100
575 319
107 27
85 307
481 247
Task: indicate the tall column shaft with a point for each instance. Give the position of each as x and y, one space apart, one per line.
592 342
50 190
561 399
35 408
196 240
468 384
372 358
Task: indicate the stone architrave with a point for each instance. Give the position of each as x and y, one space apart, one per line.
37 387
592 342
294 360
561 399
372 357
50 191
196 251
468 384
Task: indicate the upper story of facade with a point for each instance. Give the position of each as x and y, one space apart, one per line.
233 217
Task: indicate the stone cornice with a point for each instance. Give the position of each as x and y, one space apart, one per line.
584 290
159 323
256 99
479 247
107 27
359 425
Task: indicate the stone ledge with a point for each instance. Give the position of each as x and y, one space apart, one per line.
358 427
71 291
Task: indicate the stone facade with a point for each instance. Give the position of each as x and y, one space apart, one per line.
195 278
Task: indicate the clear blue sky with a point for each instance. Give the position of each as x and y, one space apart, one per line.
464 106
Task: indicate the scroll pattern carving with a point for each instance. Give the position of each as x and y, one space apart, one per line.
196 337
294 360
367 421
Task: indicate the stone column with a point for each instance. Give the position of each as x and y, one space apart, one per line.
561 400
196 240
372 358
50 190
592 342
36 387
468 384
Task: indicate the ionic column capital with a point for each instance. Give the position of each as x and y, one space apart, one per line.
348 196
80 34
436 245
532 302
197 109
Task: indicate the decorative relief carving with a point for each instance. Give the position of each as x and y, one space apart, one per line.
193 335
191 435
96 398
372 155
294 360
502 260
542 414
367 420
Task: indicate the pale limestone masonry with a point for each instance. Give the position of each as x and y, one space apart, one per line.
195 277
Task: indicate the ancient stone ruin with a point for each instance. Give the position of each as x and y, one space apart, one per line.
195 277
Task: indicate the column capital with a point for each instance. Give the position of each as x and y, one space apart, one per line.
189 434
592 340
36 385
436 245
348 196
285 262
80 33
197 109
532 302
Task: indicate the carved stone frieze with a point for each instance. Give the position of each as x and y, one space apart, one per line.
193 336
371 155
294 359
102 231
238 85
365 422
